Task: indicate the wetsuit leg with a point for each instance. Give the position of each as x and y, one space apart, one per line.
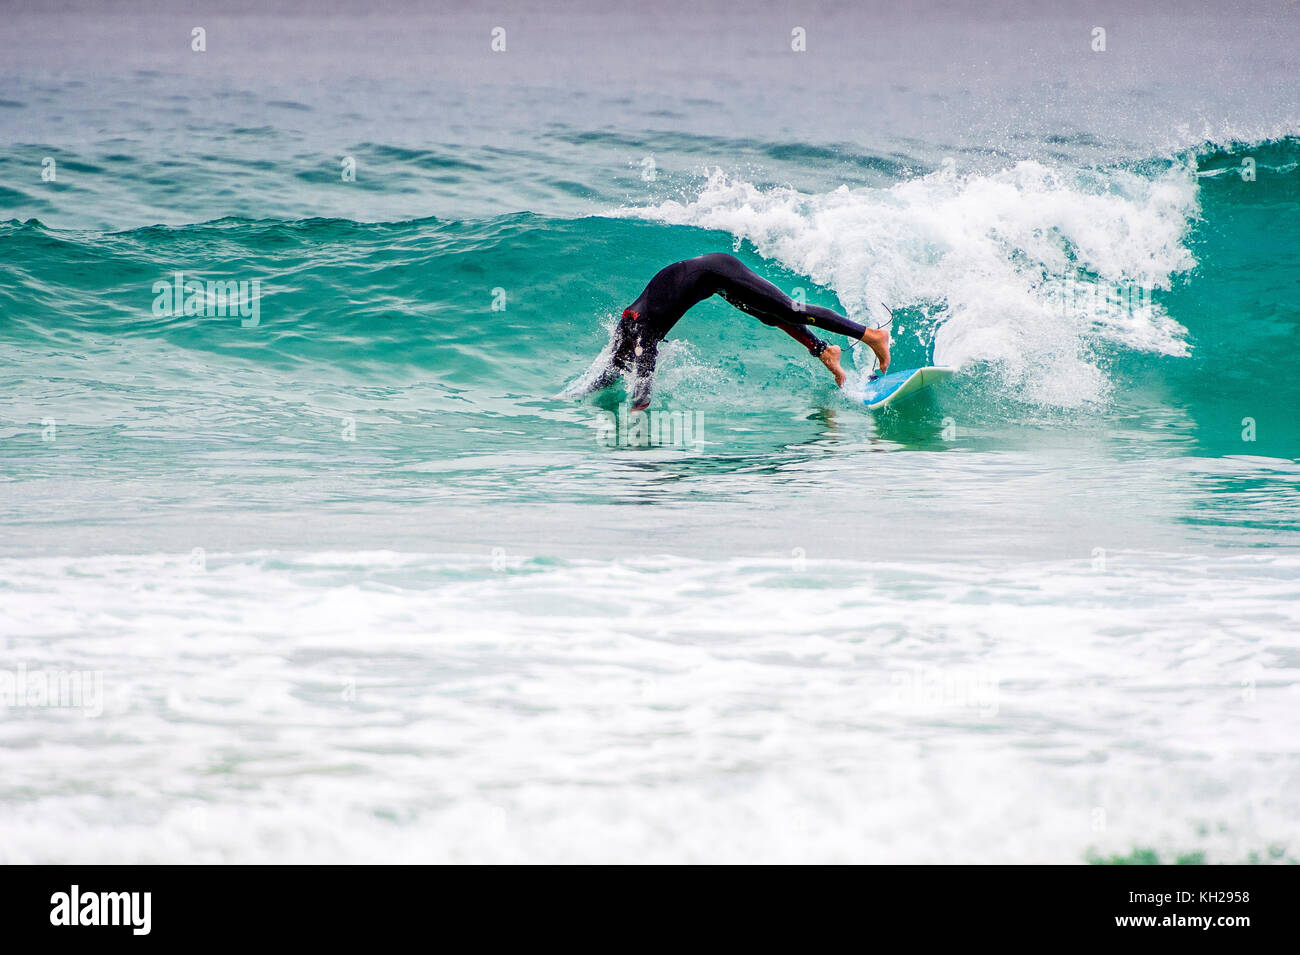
804 337
757 296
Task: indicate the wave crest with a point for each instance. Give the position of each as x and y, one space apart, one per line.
995 263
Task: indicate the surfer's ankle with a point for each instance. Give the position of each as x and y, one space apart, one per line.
878 340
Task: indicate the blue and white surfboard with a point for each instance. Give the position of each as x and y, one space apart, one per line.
887 389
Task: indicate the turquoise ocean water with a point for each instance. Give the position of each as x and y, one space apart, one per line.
356 579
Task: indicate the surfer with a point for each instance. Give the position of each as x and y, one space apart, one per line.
634 345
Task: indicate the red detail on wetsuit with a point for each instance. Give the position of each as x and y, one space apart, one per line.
628 313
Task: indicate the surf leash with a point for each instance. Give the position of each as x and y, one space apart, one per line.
888 322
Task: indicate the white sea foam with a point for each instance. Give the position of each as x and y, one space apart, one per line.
353 706
998 258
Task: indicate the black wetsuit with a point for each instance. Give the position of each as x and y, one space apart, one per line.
677 287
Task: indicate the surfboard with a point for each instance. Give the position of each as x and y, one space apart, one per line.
889 388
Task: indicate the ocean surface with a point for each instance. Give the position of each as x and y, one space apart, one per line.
350 576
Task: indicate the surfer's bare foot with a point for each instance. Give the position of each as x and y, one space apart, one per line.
878 339
830 357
